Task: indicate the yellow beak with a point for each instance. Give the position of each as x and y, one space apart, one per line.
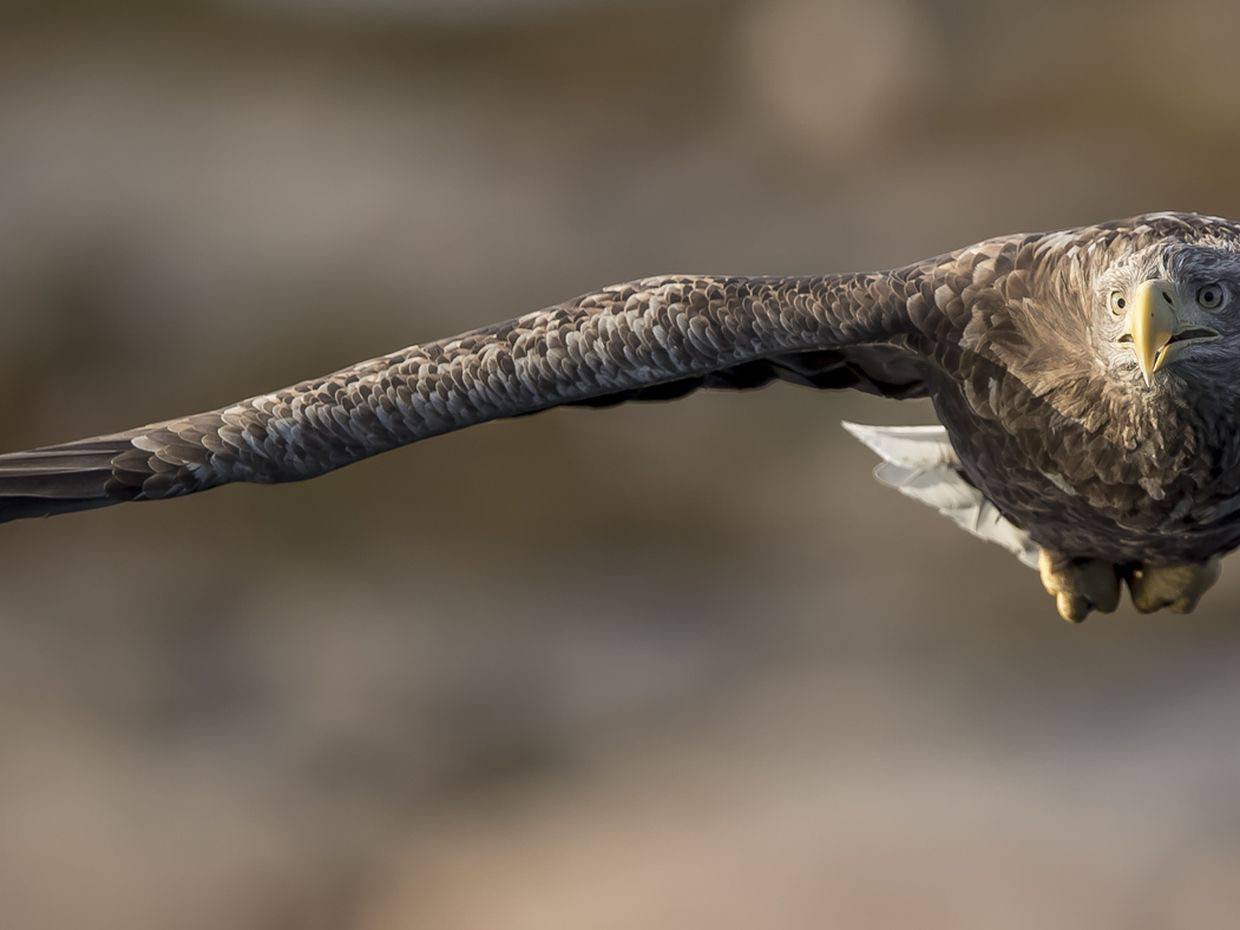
1152 322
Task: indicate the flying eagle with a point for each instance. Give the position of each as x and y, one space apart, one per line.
1087 382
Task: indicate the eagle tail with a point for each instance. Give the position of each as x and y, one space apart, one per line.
919 461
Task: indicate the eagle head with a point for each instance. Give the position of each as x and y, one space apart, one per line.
1173 306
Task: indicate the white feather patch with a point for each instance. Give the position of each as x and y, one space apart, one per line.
919 461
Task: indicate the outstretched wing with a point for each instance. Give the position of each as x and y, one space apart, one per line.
651 339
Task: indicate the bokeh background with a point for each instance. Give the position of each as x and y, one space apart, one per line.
676 665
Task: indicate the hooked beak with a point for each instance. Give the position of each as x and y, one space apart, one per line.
1153 329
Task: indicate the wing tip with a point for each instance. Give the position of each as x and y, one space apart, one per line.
65 478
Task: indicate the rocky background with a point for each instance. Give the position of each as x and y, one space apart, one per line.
676 665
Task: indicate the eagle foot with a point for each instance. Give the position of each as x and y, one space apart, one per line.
1079 585
1175 587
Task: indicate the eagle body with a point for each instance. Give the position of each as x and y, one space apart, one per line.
1089 462
1087 380
1171 498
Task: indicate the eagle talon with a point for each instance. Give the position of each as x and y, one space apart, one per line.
1079 585
1072 607
1176 587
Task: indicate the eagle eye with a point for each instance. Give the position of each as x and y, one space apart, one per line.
1118 303
1210 296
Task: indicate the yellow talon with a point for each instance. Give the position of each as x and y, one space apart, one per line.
1176 587
1079 585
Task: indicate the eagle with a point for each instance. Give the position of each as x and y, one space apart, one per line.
1086 382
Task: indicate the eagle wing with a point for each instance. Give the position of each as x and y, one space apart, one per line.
651 339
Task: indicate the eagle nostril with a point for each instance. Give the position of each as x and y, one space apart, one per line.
1167 297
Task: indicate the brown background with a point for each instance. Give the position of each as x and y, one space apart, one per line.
676 665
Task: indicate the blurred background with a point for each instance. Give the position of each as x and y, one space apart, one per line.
678 665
